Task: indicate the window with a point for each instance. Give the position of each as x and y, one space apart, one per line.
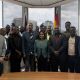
0 14
69 12
41 15
12 12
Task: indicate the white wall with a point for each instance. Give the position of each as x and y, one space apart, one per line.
10 12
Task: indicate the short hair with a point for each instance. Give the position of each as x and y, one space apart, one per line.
73 27
13 24
68 22
14 27
7 26
41 25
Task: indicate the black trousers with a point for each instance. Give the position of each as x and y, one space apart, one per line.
1 68
63 62
58 62
77 67
42 64
15 64
71 63
54 63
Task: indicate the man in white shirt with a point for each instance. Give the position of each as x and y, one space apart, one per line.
72 49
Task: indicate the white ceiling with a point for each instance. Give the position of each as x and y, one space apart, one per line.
39 3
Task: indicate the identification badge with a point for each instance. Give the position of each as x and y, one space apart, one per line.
31 37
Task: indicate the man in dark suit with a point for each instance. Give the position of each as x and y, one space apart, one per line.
77 68
57 45
14 48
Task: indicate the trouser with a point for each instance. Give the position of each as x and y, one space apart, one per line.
6 65
63 63
30 62
71 63
58 62
54 63
42 64
1 68
77 67
15 64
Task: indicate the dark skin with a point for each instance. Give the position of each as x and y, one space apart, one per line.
43 28
72 31
49 30
57 34
30 27
67 26
37 28
7 29
15 30
22 29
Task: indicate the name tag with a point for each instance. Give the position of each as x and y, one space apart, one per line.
31 37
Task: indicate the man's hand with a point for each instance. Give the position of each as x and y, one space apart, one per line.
1 59
24 55
36 60
6 58
48 59
19 53
56 52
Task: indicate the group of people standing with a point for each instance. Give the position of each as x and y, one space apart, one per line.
41 50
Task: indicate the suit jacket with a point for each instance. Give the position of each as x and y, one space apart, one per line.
61 44
28 42
77 39
14 43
